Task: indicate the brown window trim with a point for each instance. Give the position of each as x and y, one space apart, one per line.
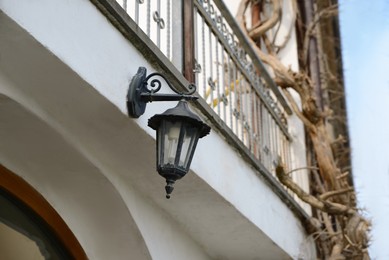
23 191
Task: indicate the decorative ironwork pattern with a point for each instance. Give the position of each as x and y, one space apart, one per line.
159 20
230 84
154 17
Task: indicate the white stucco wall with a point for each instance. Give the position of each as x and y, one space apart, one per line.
103 210
102 63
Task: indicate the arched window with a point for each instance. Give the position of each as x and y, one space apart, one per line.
29 226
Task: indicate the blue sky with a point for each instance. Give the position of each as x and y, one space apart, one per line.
365 45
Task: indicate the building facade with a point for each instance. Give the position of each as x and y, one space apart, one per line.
78 177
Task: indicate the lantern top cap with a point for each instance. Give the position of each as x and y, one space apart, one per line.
182 113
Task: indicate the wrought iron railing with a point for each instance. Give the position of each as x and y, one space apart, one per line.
155 19
232 81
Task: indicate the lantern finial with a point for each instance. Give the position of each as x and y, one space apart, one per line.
169 188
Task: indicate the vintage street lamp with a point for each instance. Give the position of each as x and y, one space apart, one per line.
178 129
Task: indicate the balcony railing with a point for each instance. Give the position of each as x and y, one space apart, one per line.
230 77
230 83
226 76
155 19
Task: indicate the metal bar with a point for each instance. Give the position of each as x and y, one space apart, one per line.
230 84
259 120
196 47
217 77
285 152
137 12
278 139
224 94
287 158
158 23
177 35
168 26
243 105
150 97
236 92
277 145
272 142
148 17
210 79
247 125
266 136
273 150
250 119
253 118
241 109
204 62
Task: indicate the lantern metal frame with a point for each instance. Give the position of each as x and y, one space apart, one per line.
140 93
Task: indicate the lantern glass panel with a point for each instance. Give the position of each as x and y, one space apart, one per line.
170 141
190 138
160 143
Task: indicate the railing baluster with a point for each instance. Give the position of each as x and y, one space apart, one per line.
244 114
211 80
224 88
241 85
259 132
137 12
273 143
277 143
205 74
236 110
197 69
148 17
249 118
278 153
288 160
265 139
268 140
158 15
243 96
231 83
262 134
168 26
254 117
218 96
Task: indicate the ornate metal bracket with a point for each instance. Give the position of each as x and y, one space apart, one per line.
140 92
